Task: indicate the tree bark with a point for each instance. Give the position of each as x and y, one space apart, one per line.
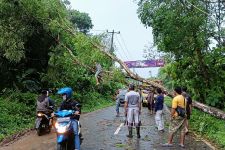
209 110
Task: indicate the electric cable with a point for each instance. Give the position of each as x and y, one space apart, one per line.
121 48
123 41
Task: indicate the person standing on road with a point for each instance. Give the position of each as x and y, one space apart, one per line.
132 109
188 106
150 99
159 110
176 122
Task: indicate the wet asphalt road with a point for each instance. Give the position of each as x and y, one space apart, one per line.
98 130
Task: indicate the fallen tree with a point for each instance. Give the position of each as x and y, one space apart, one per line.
210 110
128 71
207 109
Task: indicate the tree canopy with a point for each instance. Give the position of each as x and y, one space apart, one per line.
81 21
34 42
184 30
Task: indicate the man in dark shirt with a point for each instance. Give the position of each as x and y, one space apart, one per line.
159 110
150 99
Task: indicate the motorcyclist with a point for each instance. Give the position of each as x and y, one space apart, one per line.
69 104
43 104
51 102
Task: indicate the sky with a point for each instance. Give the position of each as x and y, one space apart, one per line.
120 15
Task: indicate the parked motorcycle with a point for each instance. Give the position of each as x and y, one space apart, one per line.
64 130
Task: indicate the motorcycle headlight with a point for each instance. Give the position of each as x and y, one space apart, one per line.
39 114
61 128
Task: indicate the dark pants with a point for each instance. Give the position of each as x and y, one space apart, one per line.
151 106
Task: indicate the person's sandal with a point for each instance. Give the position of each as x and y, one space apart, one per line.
181 145
167 145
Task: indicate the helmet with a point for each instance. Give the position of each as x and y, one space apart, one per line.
66 90
44 91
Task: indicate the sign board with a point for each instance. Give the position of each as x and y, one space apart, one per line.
145 63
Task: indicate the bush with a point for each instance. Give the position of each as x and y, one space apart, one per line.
17 113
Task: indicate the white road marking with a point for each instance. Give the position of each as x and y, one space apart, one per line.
118 129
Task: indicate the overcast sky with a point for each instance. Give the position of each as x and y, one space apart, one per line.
119 15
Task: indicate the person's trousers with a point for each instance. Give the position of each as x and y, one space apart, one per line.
117 106
76 134
133 116
159 119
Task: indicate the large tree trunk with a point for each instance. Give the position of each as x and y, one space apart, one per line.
129 72
210 110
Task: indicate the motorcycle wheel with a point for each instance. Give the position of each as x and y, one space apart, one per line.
49 129
38 130
60 147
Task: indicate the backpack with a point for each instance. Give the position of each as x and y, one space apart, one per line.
181 111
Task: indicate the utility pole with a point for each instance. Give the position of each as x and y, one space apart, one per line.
113 32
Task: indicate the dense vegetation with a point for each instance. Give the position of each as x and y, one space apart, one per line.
45 44
190 35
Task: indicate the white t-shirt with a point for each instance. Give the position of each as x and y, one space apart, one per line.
133 99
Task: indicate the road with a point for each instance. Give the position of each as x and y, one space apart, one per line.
102 130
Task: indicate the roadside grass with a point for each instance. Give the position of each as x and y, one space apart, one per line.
17 113
18 110
99 105
206 126
95 101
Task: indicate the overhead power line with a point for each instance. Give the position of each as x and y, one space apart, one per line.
98 30
121 47
120 54
123 41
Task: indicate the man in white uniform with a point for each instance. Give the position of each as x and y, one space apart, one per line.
133 110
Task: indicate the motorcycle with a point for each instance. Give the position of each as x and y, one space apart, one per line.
64 130
42 123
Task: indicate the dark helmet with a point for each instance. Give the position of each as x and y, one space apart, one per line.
131 86
44 91
66 90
